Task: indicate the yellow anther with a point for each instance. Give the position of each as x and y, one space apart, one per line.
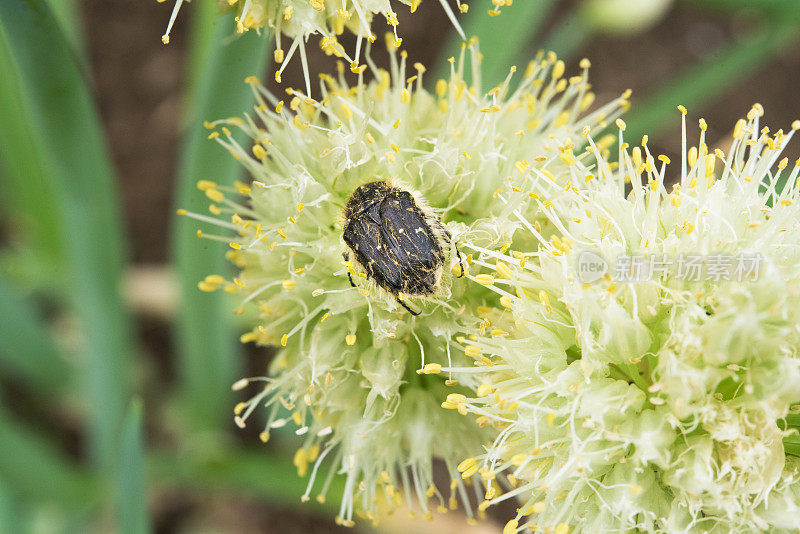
484 390
240 384
297 417
215 195
289 284
215 279
691 156
503 270
456 398
207 287
485 279
473 351
588 100
284 340
558 69
431 369
350 339
463 466
710 161
457 270
249 337
259 152
739 128
205 185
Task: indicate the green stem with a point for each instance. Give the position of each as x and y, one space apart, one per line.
255 473
207 343
68 141
28 352
132 517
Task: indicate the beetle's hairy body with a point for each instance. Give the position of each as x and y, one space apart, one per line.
398 241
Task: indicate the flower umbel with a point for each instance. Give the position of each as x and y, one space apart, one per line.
298 19
358 375
659 402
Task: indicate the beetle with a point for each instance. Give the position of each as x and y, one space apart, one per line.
397 240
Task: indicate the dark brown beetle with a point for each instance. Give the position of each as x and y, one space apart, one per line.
398 241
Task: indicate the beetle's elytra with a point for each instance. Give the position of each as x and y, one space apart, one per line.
401 245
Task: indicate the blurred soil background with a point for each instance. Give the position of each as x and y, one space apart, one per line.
138 86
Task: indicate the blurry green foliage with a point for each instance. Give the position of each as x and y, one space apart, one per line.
208 346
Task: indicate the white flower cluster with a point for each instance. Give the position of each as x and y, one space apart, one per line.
299 19
359 376
662 404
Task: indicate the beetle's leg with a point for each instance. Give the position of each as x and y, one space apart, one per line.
460 263
403 304
449 238
346 257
